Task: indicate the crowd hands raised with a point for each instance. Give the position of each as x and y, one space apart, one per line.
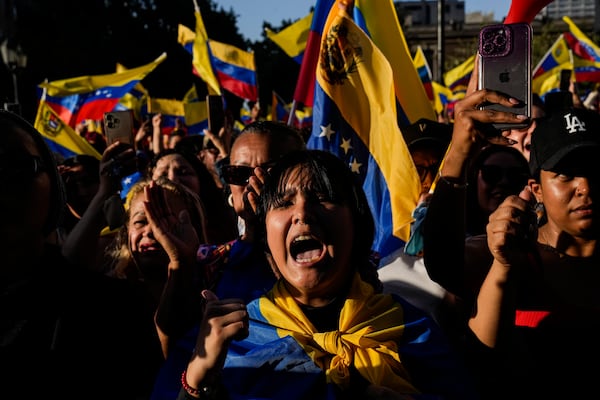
238 265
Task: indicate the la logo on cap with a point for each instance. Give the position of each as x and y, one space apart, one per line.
574 124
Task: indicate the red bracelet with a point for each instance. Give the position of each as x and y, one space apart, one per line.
188 388
205 392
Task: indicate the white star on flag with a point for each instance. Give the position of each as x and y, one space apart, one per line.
327 131
355 166
346 145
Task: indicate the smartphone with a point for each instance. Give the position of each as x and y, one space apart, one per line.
118 125
216 113
505 66
565 79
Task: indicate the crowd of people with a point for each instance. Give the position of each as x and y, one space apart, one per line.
238 265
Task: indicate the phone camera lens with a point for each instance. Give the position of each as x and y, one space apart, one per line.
488 48
500 41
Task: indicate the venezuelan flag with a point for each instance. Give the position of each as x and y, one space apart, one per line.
546 75
193 115
60 137
235 69
424 72
457 79
171 110
379 21
293 38
442 95
280 111
304 118
356 117
135 100
586 54
196 43
581 45
89 97
305 87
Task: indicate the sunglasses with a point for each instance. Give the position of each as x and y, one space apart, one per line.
423 171
492 174
240 174
20 167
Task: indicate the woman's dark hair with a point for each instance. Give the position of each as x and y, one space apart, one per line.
11 121
219 215
475 221
327 174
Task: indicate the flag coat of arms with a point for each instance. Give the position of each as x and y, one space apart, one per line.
59 136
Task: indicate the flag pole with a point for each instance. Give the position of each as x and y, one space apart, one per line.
292 112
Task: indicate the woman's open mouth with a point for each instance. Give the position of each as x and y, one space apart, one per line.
306 249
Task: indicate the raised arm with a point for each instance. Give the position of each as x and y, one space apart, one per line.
444 224
223 321
511 236
81 245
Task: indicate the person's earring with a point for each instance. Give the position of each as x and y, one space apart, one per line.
230 199
540 211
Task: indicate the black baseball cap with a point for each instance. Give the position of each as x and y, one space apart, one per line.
427 131
561 133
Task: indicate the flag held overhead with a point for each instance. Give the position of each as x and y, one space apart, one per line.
293 38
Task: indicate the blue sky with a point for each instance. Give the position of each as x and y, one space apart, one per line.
251 13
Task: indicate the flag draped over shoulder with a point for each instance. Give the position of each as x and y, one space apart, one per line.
89 97
60 137
586 54
293 38
235 69
458 78
355 117
546 75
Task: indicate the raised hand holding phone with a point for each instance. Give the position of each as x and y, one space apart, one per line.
216 113
505 66
118 126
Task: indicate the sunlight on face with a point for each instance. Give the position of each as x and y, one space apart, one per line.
146 250
177 169
310 239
